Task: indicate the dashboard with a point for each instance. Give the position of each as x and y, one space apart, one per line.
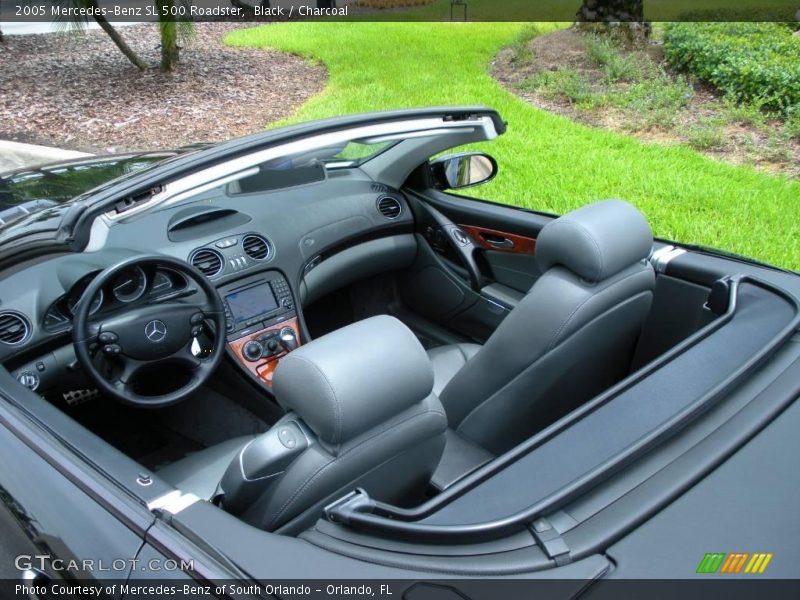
276 239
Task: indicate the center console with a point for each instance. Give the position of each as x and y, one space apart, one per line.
262 324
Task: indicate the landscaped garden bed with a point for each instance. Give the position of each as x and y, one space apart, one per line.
78 91
598 82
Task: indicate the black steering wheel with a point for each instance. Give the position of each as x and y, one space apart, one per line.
149 333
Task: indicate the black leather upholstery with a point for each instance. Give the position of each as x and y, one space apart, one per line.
200 472
447 361
353 379
595 241
361 401
460 458
393 462
570 337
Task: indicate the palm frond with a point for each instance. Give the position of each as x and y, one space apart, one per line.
67 22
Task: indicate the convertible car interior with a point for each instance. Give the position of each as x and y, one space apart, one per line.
309 332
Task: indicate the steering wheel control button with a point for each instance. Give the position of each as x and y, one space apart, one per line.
29 379
108 337
287 437
197 319
112 350
197 330
252 351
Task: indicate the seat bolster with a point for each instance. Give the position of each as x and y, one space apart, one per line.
447 361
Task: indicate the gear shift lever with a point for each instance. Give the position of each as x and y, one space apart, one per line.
288 339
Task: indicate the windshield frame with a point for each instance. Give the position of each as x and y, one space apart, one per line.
221 173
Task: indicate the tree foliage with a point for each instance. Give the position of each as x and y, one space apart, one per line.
621 18
173 28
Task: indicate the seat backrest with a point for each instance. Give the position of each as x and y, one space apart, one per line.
362 414
571 336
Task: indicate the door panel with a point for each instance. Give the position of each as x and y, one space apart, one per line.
505 245
494 240
481 213
517 271
506 236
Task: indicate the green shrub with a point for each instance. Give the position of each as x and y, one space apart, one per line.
659 93
564 82
616 65
792 124
706 135
747 113
748 61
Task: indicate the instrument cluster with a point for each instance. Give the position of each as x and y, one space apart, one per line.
129 286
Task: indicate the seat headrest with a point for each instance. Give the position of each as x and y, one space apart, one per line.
595 241
353 379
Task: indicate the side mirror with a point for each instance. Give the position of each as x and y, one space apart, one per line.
456 171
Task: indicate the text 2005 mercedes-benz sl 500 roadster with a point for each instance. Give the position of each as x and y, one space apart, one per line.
299 354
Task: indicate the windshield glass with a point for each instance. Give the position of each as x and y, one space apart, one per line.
360 151
347 154
57 184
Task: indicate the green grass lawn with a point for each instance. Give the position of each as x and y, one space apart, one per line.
547 162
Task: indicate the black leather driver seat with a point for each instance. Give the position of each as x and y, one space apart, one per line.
572 335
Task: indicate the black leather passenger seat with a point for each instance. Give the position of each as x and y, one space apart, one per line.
572 336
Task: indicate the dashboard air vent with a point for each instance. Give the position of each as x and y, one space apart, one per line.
389 207
208 262
14 328
256 247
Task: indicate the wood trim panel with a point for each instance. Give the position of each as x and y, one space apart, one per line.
521 244
265 368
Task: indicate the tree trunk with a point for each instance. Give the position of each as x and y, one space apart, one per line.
170 53
624 17
248 9
1 37
117 39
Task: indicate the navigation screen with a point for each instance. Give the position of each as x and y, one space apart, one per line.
251 302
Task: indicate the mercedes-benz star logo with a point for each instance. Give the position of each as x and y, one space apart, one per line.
155 331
